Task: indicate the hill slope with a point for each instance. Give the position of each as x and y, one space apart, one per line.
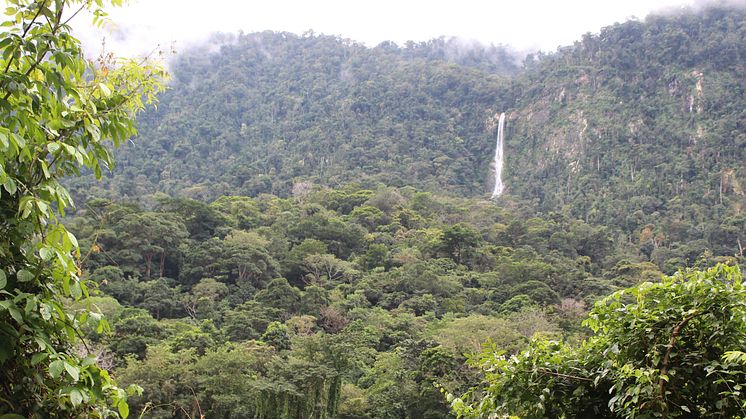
639 127
273 107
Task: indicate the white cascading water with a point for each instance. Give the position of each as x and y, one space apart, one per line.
499 186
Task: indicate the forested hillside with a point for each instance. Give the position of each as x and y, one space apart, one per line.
642 128
269 109
639 127
302 227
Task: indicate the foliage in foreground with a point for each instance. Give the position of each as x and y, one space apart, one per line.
57 114
668 349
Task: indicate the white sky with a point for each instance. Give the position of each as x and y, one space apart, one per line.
524 24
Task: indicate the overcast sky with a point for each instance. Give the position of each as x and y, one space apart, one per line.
524 24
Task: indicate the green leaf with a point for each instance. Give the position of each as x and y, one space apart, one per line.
45 169
56 368
15 314
686 409
73 371
24 276
104 89
43 342
25 206
37 358
72 239
46 254
10 185
76 397
20 141
3 280
43 206
31 306
76 291
124 409
46 312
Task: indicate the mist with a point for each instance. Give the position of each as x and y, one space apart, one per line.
145 26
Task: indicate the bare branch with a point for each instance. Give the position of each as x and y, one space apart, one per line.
667 357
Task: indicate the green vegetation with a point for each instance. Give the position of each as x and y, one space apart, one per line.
638 128
301 230
335 306
59 113
340 306
667 349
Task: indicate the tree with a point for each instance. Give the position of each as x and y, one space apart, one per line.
280 295
134 330
458 240
377 255
240 211
659 350
277 336
203 259
326 269
58 113
152 234
247 256
200 219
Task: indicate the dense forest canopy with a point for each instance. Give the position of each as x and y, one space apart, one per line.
639 127
369 292
302 230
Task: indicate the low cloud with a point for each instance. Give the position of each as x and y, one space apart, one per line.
146 25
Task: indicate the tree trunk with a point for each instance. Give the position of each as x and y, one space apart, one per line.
148 259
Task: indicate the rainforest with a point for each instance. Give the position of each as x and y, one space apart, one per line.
274 225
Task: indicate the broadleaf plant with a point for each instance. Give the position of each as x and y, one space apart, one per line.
59 113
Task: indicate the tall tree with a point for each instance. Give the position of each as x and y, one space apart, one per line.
58 113
154 235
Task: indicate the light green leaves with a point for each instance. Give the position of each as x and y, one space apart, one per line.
39 357
10 185
641 361
76 397
56 368
24 276
735 357
73 371
58 111
123 408
104 89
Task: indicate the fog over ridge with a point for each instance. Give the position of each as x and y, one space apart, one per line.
526 27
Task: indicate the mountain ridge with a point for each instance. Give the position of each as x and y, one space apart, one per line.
638 127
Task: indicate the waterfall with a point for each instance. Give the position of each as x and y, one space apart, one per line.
499 186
